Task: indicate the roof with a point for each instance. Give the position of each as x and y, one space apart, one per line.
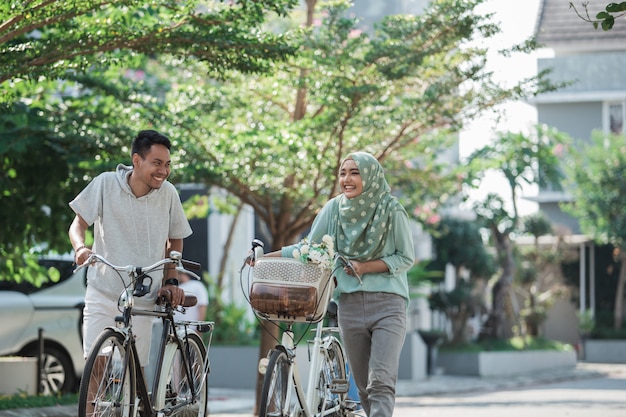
560 28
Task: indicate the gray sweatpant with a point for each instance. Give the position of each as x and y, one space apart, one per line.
373 328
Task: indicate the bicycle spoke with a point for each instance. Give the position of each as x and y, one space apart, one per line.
108 387
333 383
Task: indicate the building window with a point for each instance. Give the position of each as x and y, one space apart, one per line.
615 114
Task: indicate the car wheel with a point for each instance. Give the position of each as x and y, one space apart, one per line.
57 374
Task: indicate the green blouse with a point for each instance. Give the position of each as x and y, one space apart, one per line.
398 252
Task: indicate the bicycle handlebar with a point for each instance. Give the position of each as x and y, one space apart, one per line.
182 265
257 251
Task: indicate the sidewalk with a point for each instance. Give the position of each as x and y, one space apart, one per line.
233 401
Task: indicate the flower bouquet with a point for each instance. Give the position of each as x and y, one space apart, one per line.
321 254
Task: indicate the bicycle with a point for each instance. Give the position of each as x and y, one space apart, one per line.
114 382
328 378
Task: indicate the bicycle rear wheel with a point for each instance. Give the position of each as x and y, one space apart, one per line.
276 385
181 392
107 388
332 386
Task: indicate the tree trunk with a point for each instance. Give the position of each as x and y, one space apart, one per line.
498 326
618 312
223 262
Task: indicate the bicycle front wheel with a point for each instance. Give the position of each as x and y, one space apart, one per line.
183 389
276 386
332 384
107 388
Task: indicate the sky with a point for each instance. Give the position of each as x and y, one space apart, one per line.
517 24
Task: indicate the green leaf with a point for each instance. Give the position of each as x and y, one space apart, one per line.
607 24
616 7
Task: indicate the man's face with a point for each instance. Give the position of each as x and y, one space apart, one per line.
155 168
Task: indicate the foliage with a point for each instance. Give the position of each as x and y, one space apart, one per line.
459 243
599 197
599 194
423 272
48 39
513 344
521 159
604 18
607 333
537 225
275 141
394 93
233 326
586 322
73 87
10 402
538 274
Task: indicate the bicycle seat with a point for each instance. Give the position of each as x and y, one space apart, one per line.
190 300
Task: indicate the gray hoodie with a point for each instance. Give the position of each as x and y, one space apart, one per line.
129 230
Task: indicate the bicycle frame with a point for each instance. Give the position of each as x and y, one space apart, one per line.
165 348
319 347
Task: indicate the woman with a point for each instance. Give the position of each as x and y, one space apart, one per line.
372 230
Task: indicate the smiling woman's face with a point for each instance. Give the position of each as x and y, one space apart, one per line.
350 179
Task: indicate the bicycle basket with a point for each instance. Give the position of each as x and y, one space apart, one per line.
286 289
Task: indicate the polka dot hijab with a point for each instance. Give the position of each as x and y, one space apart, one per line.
363 221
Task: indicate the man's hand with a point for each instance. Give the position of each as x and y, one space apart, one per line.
175 295
81 255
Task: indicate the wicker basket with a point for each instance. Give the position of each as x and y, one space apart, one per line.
286 289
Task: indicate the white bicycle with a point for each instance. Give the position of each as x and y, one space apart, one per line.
286 291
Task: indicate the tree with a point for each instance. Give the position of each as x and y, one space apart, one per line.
520 159
604 18
599 196
69 94
459 243
539 276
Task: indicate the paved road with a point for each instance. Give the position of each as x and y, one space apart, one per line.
597 397
594 391
588 390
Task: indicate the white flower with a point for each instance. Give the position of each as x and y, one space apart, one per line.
321 254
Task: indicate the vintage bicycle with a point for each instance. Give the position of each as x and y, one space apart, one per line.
286 292
114 383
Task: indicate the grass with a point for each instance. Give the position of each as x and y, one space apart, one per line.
10 402
513 344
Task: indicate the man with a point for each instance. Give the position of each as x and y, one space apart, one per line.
137 219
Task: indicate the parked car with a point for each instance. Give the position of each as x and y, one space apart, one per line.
56 308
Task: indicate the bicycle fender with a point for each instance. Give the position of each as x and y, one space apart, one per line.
122 331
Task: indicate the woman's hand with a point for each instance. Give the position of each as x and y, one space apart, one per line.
355 266
368 267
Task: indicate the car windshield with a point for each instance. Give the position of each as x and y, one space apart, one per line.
64 267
